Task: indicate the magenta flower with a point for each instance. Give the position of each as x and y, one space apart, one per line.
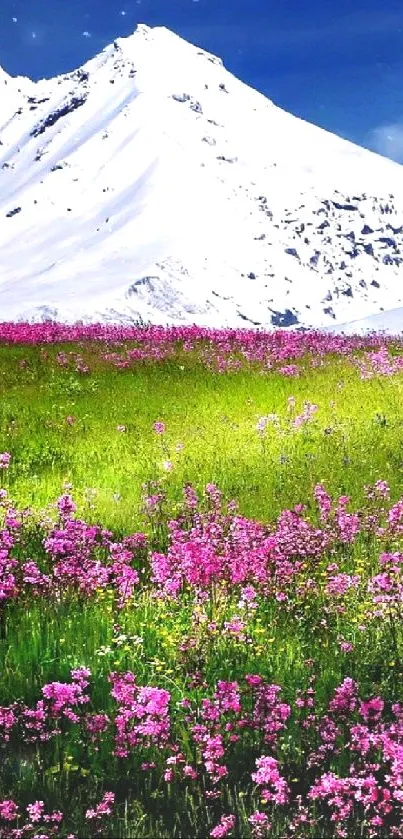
8 810
226 824
289 370
64 699
103 809
341 583
8 719
268 776
345 698
96 724
66 506
32 576
260 824
35 811
372 710
346 647
253 680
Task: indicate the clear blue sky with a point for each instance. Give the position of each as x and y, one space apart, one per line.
336 63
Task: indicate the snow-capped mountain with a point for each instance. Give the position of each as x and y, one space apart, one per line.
151 183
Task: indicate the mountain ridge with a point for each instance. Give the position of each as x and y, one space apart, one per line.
151 183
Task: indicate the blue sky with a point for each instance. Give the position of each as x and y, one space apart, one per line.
336 63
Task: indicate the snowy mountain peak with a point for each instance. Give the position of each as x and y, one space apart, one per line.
151 183
142 29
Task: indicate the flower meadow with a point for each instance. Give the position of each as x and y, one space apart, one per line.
201 583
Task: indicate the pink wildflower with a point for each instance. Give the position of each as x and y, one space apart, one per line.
226 824
104 808
35 811
260 823
267 776
8 810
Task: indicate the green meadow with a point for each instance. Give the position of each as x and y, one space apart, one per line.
92 435
355 438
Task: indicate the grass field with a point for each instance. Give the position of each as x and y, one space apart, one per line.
201 585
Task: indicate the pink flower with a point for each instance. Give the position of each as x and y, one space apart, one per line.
341 583
143 714
267 776
253 680
345 697
124 688
8 720
81 675
190 497
324 502
228 697
104 808
226 824
235 626
159 427
260 823
248 595
32 576
346 647
307 414
372 710
66 506
8 810
96 724
289 370
382 488
5 458
35 811
63 697
189 772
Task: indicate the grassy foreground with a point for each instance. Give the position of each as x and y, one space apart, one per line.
201 587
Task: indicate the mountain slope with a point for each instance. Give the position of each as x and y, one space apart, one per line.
152 183
390 322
